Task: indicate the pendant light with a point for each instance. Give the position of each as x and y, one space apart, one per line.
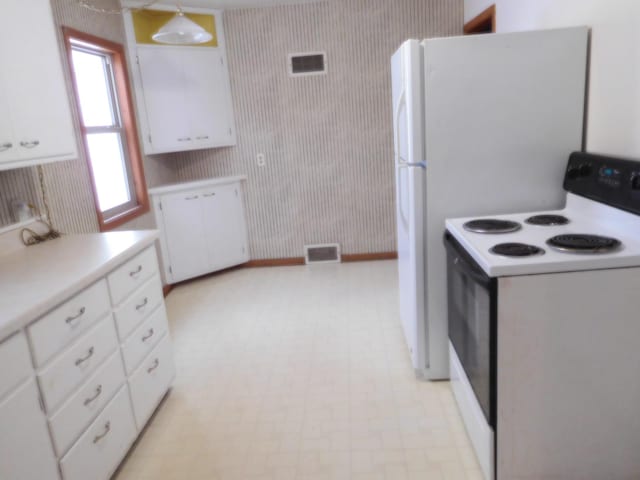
181 30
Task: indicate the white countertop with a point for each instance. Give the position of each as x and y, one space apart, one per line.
209 182
35 279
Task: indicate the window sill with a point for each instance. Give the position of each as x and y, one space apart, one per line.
119 220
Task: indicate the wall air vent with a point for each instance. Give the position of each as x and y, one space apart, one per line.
301 64
325 253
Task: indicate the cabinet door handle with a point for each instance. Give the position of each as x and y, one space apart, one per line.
205 137
95 395
107 429
148 335
136 271
156 362
184 139
70 319
30 144
5 146
191 198
81 360
209 195
143 304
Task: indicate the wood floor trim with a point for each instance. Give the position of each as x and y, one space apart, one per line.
275 262
366 257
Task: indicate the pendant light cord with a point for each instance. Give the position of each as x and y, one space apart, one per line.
112 11
30 237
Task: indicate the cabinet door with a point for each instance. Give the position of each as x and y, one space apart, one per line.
224 226
8 144
35 86
207 97
26 452
163 81
184 235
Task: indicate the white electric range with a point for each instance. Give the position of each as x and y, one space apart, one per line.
544 329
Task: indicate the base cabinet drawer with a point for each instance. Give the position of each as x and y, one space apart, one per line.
140 343
129 276
138 306
83 406
70 369
99 451
54 331
151 380
25 448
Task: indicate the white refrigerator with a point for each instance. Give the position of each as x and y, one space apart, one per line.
482 125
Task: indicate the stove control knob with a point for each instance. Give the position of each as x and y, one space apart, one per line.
635 181
585 170
573 173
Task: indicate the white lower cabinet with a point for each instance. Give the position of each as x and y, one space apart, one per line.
92 374
150 381
25 449
99 451
203 227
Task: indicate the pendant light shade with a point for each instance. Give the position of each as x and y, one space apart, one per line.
180 30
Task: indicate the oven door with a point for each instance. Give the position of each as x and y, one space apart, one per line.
472 311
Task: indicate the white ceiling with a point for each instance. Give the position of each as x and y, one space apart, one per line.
227 4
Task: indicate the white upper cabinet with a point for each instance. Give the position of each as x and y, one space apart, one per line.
183 92
35 124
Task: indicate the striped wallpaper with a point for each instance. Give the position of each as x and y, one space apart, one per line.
327 139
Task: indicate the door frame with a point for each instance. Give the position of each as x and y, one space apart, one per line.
478 23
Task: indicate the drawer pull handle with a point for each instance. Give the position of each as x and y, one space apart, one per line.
89 354
191 198
95 395
148 335
31 144
184 139
70 319
209 195
107 429
136 271
143 304
156 362
5 146
204 137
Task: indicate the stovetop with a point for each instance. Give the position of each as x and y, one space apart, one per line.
585 217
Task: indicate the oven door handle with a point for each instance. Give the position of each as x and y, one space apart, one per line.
465 263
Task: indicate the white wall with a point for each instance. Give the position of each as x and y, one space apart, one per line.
614 92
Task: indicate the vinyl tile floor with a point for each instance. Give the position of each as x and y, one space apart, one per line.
298 373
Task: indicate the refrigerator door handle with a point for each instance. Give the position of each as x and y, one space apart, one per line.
402 164
401 102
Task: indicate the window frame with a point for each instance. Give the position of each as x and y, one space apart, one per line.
139 204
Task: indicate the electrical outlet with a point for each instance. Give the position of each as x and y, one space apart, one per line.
260 160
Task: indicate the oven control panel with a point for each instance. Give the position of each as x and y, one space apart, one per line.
610 180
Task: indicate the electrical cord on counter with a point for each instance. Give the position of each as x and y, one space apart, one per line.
30 237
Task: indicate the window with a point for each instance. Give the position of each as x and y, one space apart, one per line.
108 128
